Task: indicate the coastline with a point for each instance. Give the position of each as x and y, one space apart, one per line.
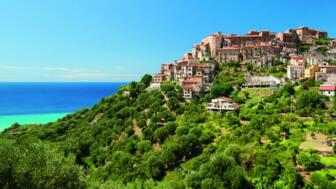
8 120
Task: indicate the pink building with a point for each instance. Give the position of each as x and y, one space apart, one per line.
297 61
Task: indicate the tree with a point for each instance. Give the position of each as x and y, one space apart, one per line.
27 163
308 102
210 183
221 171
287 90
221 89
311 161
146 80
144 146
167 87
182 130
320 181
334 102
161 134
154 166
310 82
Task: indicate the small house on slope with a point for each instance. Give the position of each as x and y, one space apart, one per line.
222 104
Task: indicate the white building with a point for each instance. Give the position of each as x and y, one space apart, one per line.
328 89
187 91
295 72
222 104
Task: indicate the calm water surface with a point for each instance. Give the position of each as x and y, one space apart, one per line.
48 101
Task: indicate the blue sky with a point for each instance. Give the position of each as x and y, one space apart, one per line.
120 40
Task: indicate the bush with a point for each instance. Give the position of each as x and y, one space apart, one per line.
144 146
161 134
308 102
311 161
146 80
221 89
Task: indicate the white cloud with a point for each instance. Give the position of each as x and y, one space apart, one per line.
71 74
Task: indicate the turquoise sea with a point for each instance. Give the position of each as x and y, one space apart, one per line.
26 103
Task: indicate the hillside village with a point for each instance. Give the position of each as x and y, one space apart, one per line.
274 125
306 53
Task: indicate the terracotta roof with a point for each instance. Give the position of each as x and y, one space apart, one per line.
327 88
187 87
203 65
188 81
226 98
297 57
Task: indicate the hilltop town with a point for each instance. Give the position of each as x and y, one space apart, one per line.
306 53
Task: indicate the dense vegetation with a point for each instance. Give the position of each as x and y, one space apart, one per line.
154 139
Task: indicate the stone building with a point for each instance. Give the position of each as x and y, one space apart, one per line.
229 54
251 38
332 43
309 36
261 54
255 46
290 39
212 43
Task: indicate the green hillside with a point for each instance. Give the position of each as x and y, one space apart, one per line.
155 139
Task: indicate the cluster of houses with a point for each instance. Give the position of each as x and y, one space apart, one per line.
301 67
193 76
195 70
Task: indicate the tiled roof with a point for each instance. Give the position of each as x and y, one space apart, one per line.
297 57
327 88
188 81
187 87
226 98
